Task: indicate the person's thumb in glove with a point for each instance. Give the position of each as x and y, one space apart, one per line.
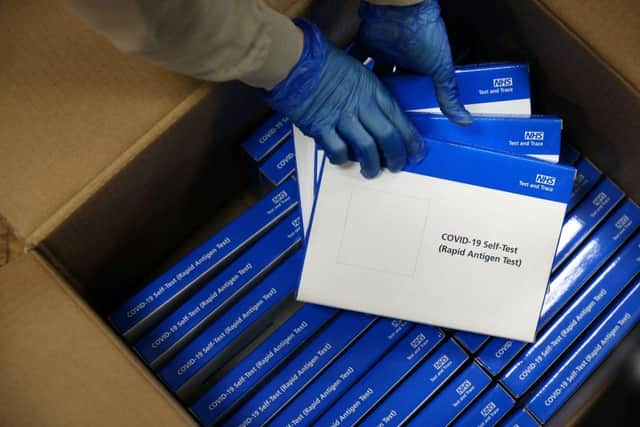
414 37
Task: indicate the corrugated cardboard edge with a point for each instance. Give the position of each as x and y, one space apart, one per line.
97 324
125 352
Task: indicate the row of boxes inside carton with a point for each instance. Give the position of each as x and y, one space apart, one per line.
335 368
231 299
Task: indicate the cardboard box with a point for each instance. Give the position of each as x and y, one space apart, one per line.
407 398
521 418
491 89
343 372
382 378
470 341
280 165
302 369
572 322
536 136
235 385
174 331
187 371
269 135
576 367
115 163
488 410
578 225
454 398
568 280
587 175
445 228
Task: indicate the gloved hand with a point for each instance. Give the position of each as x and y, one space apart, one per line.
341 104
414 37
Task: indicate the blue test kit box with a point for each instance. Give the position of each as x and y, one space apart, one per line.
587 175
572 372
300 371
593 253
420 386
535 136
343 372
488 410
273 131
520 418
586 217
280 165
228 391
185 372
489 89
569 279
383 377
164 293
454 398
162 341
470 341
562 332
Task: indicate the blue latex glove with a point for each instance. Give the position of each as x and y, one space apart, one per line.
415 38
341 104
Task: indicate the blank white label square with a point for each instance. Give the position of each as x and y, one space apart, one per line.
383 231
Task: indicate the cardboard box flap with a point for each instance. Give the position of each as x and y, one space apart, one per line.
74 111
610 28
71 105
62 366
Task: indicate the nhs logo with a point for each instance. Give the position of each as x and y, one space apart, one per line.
545 179
534 135
503 82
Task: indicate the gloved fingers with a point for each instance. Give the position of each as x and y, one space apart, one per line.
386 136
413 142
446 88
334 146
362 144
447 95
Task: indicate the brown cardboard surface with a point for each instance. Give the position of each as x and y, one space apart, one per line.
62 367
611 28
599 106
73 111
10 246
187 166
70 106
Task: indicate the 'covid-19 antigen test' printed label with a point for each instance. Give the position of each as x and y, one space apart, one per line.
441 242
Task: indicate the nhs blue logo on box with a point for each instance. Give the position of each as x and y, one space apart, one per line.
534 135
545 179
488 409
282 195
623 222
503 82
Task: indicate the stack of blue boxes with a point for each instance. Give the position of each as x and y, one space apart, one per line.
222 331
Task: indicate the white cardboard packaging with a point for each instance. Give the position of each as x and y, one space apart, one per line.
464 240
